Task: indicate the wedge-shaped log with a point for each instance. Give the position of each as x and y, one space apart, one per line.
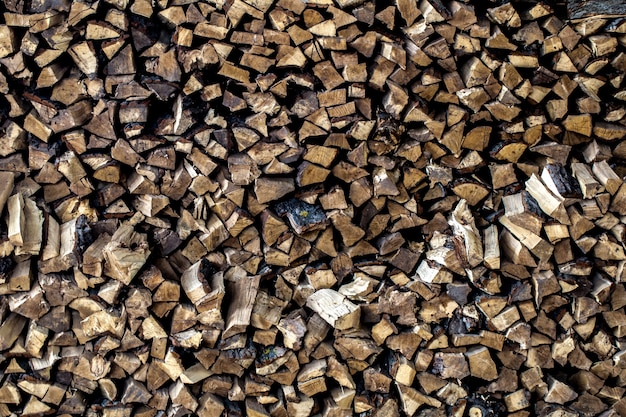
548 203
203 285
127 252
334 308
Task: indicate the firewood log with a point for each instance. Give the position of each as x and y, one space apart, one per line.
312 208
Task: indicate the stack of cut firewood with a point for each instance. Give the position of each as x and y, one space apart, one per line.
290 208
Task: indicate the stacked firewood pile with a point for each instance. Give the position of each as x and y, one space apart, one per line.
327 207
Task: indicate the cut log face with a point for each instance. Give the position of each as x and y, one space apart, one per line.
125 254
312 208
333 307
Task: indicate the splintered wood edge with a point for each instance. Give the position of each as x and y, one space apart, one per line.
334 308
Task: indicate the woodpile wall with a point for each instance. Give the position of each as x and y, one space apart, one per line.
290 208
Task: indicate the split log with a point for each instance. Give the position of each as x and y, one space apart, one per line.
334 308
197 193
125 254
244 291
